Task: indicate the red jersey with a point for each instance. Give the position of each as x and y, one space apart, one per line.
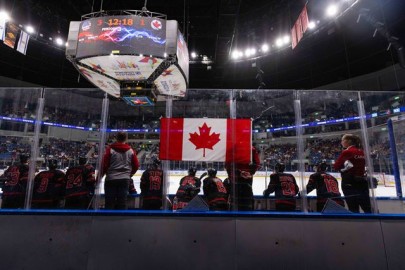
356 157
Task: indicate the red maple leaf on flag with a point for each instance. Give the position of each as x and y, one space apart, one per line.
204 140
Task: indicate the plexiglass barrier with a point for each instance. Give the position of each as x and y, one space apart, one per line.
294 143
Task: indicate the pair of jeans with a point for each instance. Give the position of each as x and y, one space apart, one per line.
116 192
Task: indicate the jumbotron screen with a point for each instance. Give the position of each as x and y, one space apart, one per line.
123 34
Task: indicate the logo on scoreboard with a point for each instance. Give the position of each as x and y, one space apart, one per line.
86 25
156 24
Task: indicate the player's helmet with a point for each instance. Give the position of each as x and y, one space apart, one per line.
52 164
321 167
279 168
212 172
192 171
82 160
24 158
190 190
155 162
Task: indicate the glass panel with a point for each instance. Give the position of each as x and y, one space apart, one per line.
72 119
186 176
327 116
68 140
142 124
386 148
273 121
398 132
17 115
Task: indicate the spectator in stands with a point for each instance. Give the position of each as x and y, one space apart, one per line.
285 188
188 189
152 186
120 163
15 183
215 191
351 164
80 184
326 187
240 176
48 187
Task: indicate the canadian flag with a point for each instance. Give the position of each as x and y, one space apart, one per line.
206 139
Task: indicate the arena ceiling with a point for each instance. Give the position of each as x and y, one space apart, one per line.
339 49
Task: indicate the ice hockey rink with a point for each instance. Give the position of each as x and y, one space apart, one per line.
261 180
386 183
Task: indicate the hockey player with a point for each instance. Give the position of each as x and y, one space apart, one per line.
15 184
215 191
240 176
80 184
152 187
188 189
326 187
285 188
48 187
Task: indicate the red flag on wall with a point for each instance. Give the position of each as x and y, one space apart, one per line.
205 139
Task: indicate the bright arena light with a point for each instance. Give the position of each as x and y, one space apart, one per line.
4 15
30 29
332 10
247 52
59 41
235 54
193 55
265 48
286 39
252 51
279 42
311 25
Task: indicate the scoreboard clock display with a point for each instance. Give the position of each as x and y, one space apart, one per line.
125 34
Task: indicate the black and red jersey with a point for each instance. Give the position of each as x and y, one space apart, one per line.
243 168
152 184
80 181
16 177
214 190
48 186
284 186
325 184
189 187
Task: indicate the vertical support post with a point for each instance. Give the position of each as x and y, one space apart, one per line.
369 164
101 148
300 151
166 163
34 150
394 159
232 115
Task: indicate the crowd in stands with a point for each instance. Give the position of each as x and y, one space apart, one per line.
333 110
316 150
